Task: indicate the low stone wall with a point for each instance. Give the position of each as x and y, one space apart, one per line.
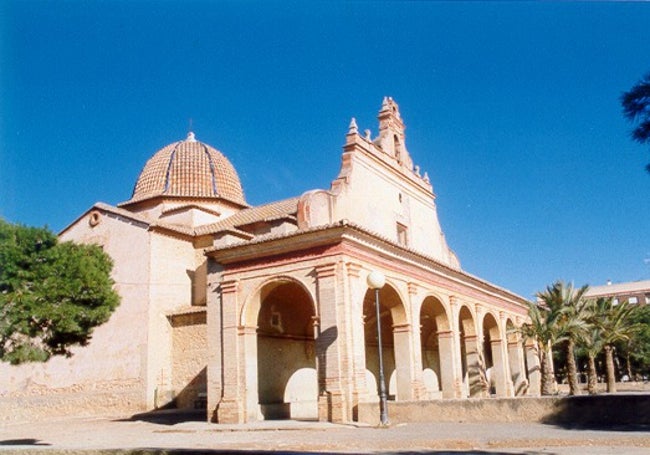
606 410
468 410
86 403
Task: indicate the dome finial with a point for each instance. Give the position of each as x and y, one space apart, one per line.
190 137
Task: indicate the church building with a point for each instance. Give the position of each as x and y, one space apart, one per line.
266 312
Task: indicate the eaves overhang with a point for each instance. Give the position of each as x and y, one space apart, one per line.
344 231
276 244
110 210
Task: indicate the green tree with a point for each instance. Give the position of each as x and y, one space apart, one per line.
639 345
52 294
567 305
593 343
614 323
636 108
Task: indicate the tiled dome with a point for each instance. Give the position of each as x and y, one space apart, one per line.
189 169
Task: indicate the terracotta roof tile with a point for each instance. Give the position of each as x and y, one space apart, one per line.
188 169
267 212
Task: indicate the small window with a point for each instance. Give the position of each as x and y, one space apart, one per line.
398 148
615 302
402 234
633 300
276 320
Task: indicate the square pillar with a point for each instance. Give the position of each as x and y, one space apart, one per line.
515 359
248 337
534 368
499 369
403 356
356 288
333 402
214 336
478 386
446 355
231 407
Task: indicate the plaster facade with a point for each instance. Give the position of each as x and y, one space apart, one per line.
264 312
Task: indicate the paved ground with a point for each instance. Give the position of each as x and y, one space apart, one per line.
173 434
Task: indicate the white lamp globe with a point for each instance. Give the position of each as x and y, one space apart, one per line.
376 280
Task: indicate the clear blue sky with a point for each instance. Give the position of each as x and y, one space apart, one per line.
512 108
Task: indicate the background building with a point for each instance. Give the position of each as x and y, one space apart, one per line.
636 292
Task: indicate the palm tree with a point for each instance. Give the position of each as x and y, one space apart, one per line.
636 107
615 324
543 329
567 306
592 343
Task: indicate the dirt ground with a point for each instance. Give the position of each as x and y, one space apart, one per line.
175 433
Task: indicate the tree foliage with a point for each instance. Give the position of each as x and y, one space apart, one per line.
52 294
636 108
565 306
639 345
565 318
542 329
614 323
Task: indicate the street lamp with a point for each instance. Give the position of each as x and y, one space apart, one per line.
376 281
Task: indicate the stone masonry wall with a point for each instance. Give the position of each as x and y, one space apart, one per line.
111 398
190 359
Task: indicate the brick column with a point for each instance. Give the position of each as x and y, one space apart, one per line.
333 405
356 289
231 408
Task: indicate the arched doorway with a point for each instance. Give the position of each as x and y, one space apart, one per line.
395 346
516 360
471 359
437 350
287 384
490 338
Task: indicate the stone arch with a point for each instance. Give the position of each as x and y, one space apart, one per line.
491 333
251 308
395 347
281 376
466 321
436 343
511 331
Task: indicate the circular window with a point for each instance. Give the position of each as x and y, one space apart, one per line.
94 218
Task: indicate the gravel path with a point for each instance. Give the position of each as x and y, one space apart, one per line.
115 435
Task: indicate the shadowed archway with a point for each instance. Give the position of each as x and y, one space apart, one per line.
471 358
516 360
287 383
395 346
437 350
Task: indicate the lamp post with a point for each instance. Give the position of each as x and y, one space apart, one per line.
376 281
